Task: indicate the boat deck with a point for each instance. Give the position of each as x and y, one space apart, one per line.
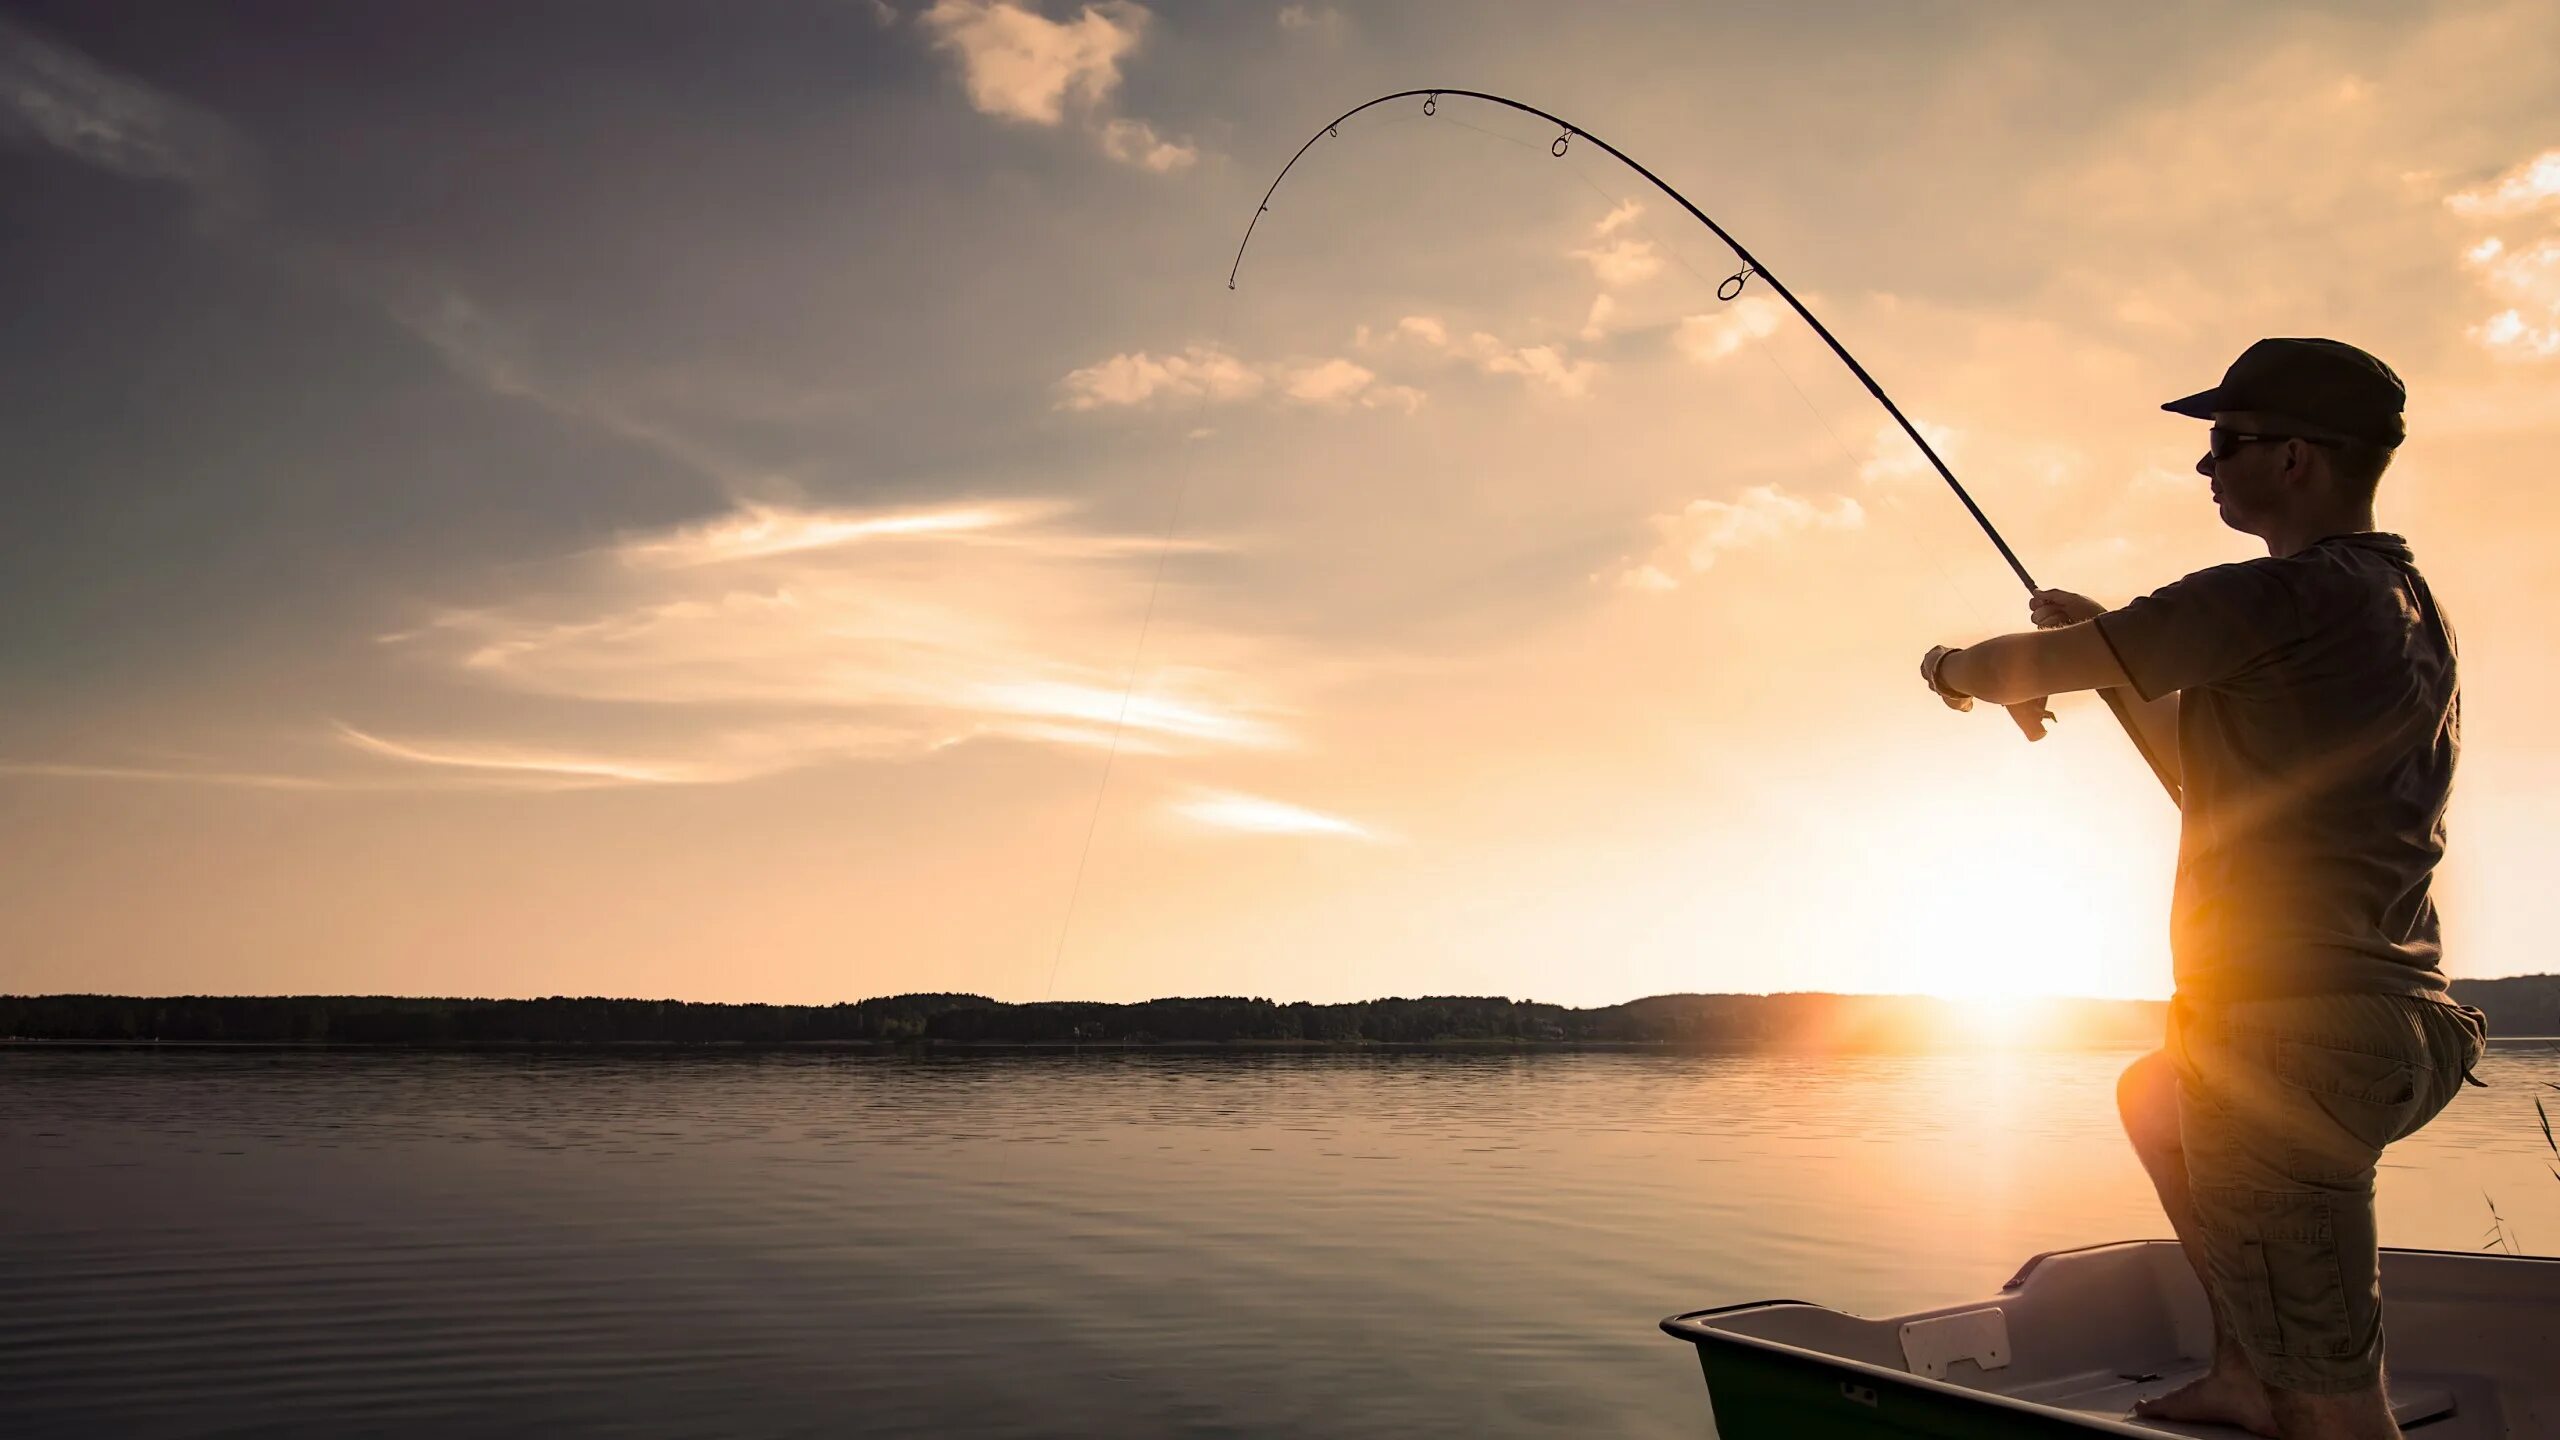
2077 1337
2417 1401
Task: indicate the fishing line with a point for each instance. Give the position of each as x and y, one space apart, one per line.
1219 346
1146 623
1731 288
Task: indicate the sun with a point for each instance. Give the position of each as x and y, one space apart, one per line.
2002 894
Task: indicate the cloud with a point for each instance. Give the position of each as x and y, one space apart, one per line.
1208 374
1893 460
251 780
1713 336
2509 333
1621 263
772 638
1135 142
1200 372
756 531
2532 185
1690 539
757 755
1542 365
2523 277
1595 326
1321 20
1424 329
1254 815
1625 214
1331 380
480 348
52 95
1018 64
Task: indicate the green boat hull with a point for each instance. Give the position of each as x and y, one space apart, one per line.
1762 1394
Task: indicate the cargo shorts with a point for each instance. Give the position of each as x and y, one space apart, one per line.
2284 1106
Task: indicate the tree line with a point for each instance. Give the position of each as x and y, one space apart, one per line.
2527 1005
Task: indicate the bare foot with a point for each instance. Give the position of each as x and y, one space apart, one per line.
2221 1398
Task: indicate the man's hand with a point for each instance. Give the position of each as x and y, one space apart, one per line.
2030 715
2053 609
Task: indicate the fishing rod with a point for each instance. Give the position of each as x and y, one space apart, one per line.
1732 287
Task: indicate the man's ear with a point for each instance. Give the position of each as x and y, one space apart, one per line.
2301 459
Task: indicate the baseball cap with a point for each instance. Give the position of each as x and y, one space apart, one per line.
2326 383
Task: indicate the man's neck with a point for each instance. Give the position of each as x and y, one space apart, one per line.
2300 534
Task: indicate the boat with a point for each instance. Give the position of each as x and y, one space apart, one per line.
2472 1352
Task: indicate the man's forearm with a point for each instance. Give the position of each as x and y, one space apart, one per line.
2000 670
2010 669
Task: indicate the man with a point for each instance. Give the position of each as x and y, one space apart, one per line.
2306 706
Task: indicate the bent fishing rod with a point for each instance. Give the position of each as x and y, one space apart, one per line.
1732 287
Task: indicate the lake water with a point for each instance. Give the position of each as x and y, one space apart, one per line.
197 1242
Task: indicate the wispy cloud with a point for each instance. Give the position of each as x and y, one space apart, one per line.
1212 375
2522 276
52 95
2532 185
1545 366
1690 539
1253 815
1135 142
149 774
1626 213
480 348
716 759
1712 336
1596 324
1892 459
754 531
771 638
1323 20
1621 263
1202 372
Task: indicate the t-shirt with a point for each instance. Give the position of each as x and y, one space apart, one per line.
2317 727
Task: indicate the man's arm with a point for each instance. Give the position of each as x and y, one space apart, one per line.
2026 667
2013 669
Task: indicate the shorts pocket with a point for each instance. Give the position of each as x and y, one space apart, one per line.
2280 1261
2349 1074
2374 1099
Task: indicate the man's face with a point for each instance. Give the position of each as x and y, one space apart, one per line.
2251 486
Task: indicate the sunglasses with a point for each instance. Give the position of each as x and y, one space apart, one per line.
2226 443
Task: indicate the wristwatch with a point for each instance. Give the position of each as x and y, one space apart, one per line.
1933 668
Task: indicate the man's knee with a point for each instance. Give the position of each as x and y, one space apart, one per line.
2147 1101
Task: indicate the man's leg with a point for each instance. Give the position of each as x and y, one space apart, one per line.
2231 1393
2285 1106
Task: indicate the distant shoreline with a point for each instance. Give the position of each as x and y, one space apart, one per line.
959 1024
1126 1047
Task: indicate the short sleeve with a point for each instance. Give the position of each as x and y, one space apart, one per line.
2205 629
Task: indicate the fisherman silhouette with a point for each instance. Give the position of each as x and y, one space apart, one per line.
2309 708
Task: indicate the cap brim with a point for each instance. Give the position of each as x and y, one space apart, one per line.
2200 405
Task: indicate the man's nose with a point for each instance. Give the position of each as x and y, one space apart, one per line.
2204 466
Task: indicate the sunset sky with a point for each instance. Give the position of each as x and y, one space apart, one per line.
662 499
